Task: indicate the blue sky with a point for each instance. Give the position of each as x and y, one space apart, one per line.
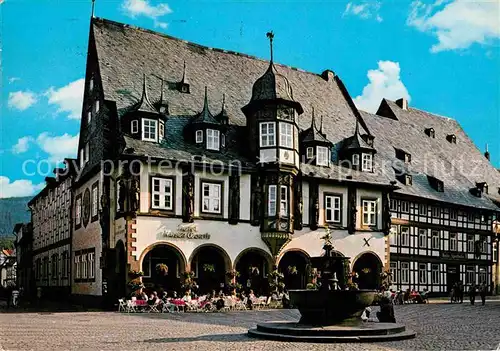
444 56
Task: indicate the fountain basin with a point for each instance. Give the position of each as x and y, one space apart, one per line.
330 307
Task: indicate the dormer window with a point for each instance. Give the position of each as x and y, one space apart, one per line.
430 132
367 163
436 184
213 139
161 130
149 127
322 156
451 138
309 153
355 160
199 136
403 156
184 88
408 179
134 126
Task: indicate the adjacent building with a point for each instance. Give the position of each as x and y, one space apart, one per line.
24 252
8 268
51 219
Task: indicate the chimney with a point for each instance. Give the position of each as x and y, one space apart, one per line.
486 153
403 103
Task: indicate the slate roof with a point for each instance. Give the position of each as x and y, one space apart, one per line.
458 165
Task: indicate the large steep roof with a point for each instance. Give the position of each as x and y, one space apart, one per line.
459 165
125 53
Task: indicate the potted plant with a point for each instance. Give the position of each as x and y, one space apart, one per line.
162 269
209 268
276 280
292 270
188 280
233 273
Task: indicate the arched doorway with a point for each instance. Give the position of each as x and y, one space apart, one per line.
253 265
171 257
210 264
368 266
293 265
120 269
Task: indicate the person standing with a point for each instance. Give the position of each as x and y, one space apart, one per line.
472 293
461 291
482 293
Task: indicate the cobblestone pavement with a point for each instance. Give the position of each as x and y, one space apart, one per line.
439 327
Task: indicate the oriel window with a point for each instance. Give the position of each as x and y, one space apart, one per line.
267 134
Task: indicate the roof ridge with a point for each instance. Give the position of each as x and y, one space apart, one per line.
235 53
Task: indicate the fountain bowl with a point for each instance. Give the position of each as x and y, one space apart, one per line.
330 307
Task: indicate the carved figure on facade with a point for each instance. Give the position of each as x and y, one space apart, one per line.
122 195
188 203
234 186
134 194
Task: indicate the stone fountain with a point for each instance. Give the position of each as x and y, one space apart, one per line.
332 312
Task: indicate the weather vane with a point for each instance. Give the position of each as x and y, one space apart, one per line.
270 35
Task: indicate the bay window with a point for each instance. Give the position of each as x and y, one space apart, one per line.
286 134
267 134
283 201
211 198
271 208
162 193
213 139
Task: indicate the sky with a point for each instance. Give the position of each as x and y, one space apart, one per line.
443 56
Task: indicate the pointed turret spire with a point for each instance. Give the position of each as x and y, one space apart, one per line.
321 125
486 153
184 74
356 131
313 121
161 91
224 103
205 116
144 104
270 35
222 116
93 8
183 85
205 102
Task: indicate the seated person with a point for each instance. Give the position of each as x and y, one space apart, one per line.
386 314
425 295
220 302
187 296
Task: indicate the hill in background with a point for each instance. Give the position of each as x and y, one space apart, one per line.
13 210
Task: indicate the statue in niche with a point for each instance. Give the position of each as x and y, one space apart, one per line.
299 207
386 214
258 203
122 195
235 198
352 212
134 194
189 198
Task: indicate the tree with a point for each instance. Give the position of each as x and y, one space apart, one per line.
6 242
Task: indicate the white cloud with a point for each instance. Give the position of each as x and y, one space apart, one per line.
364 10
385 82
457 24
68 98
58 147
21 100
22 145
135 8
21 187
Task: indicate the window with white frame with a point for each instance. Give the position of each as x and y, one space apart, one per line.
394 272
95 201
393 205
286 134
78 211
435 240
77 267
405 272
213 139
435 273
84 266
91 265
470 243
405 206
149 127
422 273
333 208
355 160
97 106
211 197
369 212
405 236
309 152
453 242
393 235
470 275
367 163
422 209
436 212
267 134
283 200
271 208
199 136
482 275
162 193
322 156
161 130
422 238
134 126
495 252
453 214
